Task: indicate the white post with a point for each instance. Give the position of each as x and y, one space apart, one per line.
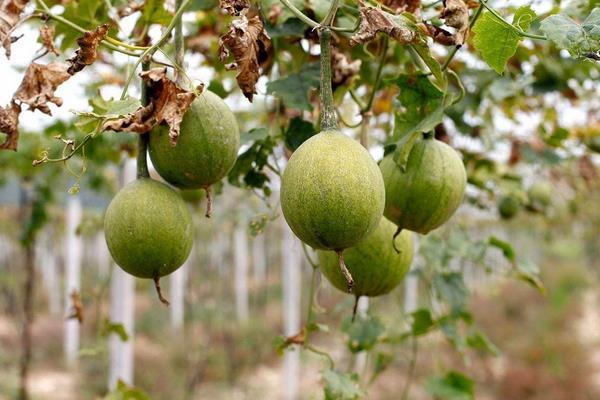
122 300
73 253
259 260
102 255
361 358
177 286
240 257
47 262
291 258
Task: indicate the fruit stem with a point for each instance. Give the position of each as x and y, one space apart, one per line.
345 272
159 291
356 298
208 202
398 231
328 115
179 45
142 161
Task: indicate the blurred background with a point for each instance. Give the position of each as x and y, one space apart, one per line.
525 320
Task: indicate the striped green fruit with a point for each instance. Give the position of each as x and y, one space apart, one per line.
148 229
206 149
429 191
332 193
374 264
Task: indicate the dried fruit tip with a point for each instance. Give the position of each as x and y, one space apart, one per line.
208 202
398 232
159 291
345 272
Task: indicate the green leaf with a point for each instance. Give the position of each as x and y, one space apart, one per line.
253 135
202 5
116 328
249 168
89 14
293 89
497 42
480 342
422 322
363 333
290 27
297 132
451 288
280 344
104 110
434 66
530 273
403 149
154 12
126 392
505 247
422 105
340 385
567 34
452 386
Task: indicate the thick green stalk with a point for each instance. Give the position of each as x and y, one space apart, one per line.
142 160
328 116
179 45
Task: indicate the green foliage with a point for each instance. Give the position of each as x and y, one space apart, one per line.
497 42
297 132
114 327
249 169
452 386
580 40
126 392
293 89
103 111
341 385
363 333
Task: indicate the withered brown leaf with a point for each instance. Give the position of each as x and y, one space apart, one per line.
9 125
400 6
234 7
10 13
88 46
374 20
39 83
251 47
47 38
168 104
342 68
456 15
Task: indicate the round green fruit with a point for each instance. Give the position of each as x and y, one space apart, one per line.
540 194
332 193
206 149
508 206
374 264
148 229
429 191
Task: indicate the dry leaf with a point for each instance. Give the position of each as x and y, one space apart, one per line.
39 83
343 69
10 12
251 48
76 307
168 103
374 20
234 7
87 52
456 15
9 125
400 6
274 13
47 38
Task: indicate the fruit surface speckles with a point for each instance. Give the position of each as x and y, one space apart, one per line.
426 195
374 264
148 229
207 147
332 193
